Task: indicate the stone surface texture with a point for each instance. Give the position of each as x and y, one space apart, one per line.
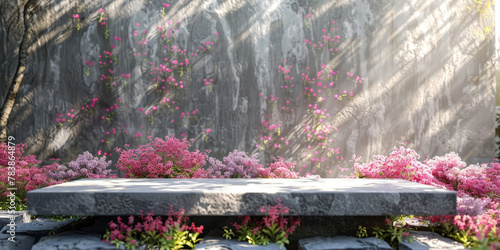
343 242
340 197
428 240
223 244
38 228
22 242
428 79
73 240
20 217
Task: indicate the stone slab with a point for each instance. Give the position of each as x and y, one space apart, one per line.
19 217
428 240
326 197
37 228
343 242
75 240
21 242
223 244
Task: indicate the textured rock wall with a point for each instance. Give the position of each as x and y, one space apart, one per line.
425 77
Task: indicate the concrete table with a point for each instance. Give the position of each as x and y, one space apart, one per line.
229 197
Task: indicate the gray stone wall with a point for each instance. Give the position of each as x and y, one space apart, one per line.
428 79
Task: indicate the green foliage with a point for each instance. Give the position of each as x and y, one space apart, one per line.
171 233
484 9
20 204
249 234
60 217
393 232
174 239
361 233
275 234
272 228
465 237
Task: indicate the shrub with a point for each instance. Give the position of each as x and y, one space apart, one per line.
162 158
402 163
279 169
85 166
27 175
239 165
172 232
272 228
235 165
478 188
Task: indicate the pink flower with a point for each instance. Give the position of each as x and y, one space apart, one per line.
208 130
101 10
76 16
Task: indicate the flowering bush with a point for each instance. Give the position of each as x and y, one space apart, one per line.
239 165
162 158
478 188
85 166
394 230
272 228
480 181
235 165
279 169
170 233
402 163
27 175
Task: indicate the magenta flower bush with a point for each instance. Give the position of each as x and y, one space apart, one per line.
478 180
402 163
172 232
275 227
85 166
279 169
162 158
28 176
478 188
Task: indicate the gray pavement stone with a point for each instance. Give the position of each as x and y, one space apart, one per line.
343 242
74 240
223 244
21 242
37 228
20 217
428 240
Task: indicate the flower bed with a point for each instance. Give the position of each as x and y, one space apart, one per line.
478 187
475 225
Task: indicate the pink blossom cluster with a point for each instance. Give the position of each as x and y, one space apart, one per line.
85 166
276 216
28 176
236 164
477 185
162 158
139 230
279 169
477 180
481 226
239 165
275 226
402 163
467 205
